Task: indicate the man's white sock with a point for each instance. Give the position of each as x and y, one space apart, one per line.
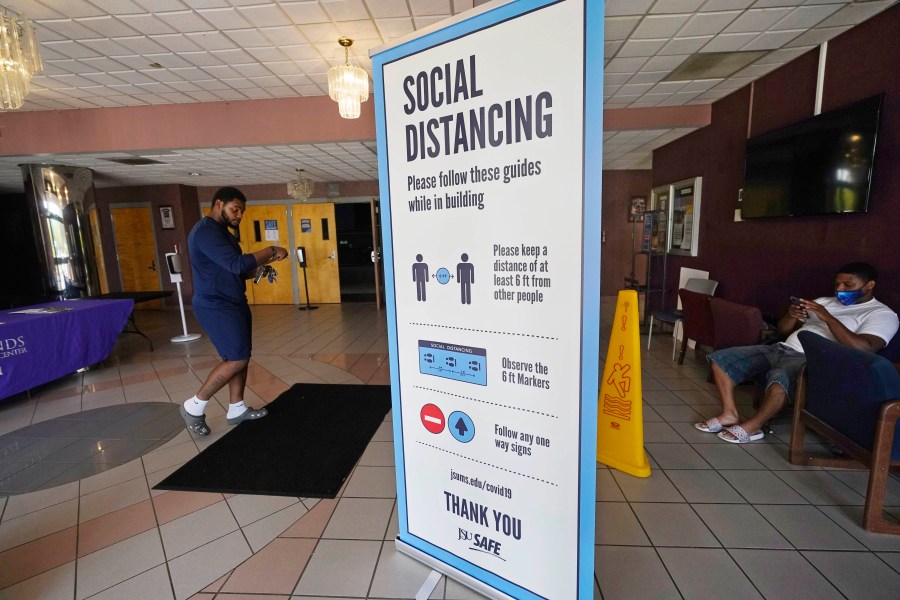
235 410
195 406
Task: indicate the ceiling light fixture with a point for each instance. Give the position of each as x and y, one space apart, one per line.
301 188
348 85
20 59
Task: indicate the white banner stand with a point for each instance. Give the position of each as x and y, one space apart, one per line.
173 262
490 166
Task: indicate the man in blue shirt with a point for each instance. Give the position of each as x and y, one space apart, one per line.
219 272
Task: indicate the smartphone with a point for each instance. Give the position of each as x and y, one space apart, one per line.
799 304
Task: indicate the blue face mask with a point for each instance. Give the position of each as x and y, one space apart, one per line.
849 297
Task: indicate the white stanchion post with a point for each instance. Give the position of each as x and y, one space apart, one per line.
173 262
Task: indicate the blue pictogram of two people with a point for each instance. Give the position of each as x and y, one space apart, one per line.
465 275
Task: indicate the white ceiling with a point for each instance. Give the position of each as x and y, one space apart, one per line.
112 53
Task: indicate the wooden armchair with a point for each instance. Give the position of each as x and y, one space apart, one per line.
851 398
719 323
736 324
697 323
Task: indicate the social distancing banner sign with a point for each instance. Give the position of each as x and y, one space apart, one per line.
490 159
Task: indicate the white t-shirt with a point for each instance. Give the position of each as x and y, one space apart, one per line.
872 317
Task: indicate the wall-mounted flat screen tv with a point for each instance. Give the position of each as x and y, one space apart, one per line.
819 166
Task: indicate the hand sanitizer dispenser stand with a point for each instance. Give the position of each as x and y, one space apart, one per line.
301 258
173 262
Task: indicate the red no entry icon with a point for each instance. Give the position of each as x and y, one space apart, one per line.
432 418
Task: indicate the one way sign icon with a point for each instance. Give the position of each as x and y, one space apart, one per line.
461 426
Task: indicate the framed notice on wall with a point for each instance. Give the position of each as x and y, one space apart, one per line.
637 205
166 217
659 198
684 217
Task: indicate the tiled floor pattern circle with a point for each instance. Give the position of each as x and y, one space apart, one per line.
79 445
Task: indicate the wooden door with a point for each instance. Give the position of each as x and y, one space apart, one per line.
136 251
98 250
263 226
314 229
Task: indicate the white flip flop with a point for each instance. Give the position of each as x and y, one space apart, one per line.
739 436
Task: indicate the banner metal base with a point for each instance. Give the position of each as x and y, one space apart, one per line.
428 585
455 574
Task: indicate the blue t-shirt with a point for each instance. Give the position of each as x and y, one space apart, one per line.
218 266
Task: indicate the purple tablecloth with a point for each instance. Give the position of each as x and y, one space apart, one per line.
37 348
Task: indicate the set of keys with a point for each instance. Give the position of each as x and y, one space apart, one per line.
265 271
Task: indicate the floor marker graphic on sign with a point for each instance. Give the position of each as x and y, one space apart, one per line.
453 361
620 420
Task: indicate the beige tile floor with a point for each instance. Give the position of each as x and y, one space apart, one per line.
713 520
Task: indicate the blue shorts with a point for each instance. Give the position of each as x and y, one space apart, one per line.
779 363
229 329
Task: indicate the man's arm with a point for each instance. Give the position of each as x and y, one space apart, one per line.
215 245
860 341
790 320
270 254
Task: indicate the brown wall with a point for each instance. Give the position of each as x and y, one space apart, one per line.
615 258
182 199
300 120
763 261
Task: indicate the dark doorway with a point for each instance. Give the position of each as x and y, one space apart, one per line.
21 281
354 234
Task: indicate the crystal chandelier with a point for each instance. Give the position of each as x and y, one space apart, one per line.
20 59
348 85
301 188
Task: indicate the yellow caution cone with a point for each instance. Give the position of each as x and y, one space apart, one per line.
620 416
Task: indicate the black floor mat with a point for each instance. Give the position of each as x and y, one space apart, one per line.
307 445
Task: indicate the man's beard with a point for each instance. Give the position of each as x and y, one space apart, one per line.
227 223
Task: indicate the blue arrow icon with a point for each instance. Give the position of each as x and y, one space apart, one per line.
462 428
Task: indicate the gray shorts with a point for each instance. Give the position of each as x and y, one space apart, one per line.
779 363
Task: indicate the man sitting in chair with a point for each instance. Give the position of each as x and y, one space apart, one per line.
852 317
